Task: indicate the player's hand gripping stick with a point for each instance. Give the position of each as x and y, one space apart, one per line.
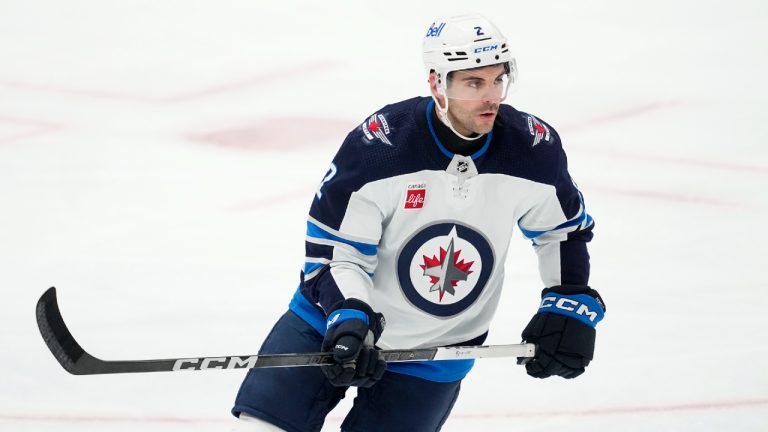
353 329
564 331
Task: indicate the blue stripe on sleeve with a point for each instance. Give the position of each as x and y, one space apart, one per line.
310 267
364 248
578 220
575 222
307 312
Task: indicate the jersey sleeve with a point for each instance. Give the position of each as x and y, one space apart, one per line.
343 232
560 228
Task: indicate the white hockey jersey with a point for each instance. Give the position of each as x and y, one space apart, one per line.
421 234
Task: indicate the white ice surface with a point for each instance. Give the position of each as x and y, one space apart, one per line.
157 160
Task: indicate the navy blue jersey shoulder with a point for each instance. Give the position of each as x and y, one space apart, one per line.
388 143
516 151
395 140
527 147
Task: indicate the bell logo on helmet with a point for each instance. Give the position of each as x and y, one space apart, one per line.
434 31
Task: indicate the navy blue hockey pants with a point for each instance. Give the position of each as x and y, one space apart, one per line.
298 399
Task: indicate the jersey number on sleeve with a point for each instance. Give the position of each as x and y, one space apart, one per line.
331 172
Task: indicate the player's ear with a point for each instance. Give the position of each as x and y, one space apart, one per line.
433 88
432 81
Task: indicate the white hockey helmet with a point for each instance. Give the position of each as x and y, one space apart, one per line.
466 42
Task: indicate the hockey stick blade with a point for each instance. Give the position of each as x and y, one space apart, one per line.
75 360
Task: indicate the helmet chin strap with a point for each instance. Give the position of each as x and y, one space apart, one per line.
442 113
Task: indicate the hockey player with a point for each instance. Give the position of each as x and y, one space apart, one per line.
411 224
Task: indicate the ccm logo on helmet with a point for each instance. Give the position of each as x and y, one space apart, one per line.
486 48
569 305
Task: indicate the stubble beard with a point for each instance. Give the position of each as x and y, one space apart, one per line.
471 124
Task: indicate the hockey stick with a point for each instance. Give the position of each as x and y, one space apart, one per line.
78 362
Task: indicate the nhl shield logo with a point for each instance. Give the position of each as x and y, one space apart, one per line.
444 267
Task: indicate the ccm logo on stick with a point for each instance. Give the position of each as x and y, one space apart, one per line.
569 305
215 363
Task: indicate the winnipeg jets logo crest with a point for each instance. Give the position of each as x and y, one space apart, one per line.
538 129
444 267
447 271
376 128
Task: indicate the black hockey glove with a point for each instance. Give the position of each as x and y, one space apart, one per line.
564 331
353 329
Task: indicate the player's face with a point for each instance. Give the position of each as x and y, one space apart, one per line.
474 97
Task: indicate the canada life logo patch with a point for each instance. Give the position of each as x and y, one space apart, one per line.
415 195
444 268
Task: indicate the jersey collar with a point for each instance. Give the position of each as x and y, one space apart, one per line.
445 151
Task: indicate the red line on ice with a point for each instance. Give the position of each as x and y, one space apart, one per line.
699 163
626 410
622 115
642 110
268 201
284 134
264 78
689 199
33 128
106 419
